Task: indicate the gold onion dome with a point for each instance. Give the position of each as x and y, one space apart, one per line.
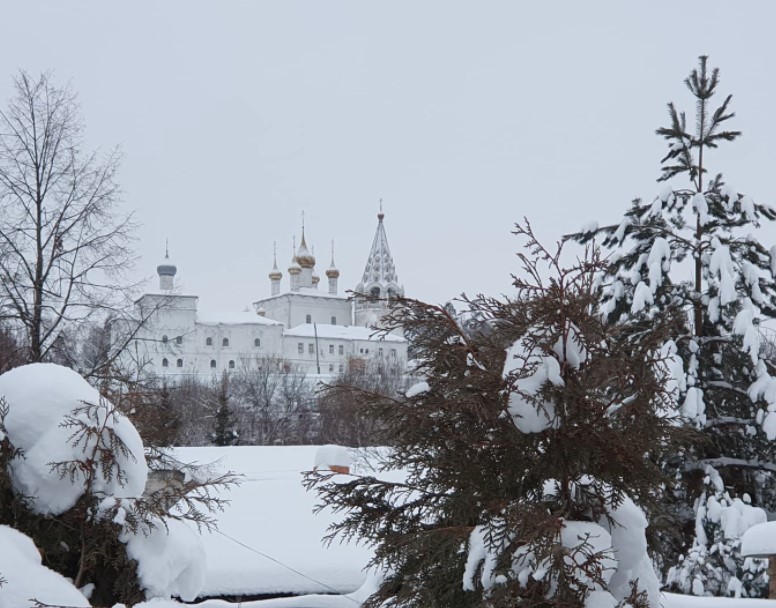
295 268
275 274
303 256
332 271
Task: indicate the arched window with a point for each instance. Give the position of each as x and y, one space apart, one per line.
334 320
374 292
209 342
165 363
178 339
164 339
308 319
257 342
225 342
231 364
212 363
179 363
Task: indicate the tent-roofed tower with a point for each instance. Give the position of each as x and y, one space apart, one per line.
380 282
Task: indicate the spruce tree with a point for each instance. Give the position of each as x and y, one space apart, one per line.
224 432
693 249
531 448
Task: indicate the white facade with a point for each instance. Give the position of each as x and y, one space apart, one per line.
317 331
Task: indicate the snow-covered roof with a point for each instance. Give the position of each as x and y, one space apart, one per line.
341 332
166 294
304 291
234 318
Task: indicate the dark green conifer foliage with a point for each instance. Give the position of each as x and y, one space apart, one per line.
692 249
224 432
470 468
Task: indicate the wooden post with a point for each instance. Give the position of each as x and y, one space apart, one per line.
772 577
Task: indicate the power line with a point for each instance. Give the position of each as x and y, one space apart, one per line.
287 567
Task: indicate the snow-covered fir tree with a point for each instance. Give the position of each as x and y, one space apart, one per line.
524 449
693 248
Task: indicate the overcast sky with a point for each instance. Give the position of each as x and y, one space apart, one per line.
234 117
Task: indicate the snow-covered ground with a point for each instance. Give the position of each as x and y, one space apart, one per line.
271 520
271 512
268 540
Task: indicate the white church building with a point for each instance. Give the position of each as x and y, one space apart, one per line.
319 331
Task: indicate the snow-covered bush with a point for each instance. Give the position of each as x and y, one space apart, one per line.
532 444
73 476
694 248
714 565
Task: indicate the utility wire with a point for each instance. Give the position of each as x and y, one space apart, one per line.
287 567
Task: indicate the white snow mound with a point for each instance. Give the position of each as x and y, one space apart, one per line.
27 580
170 561
40 398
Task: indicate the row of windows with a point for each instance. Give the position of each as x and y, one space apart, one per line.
311 348
179 363
341 349
225 342
309 319
209 341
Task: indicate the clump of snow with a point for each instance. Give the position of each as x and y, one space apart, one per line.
479 559
600 599
570 351
694 407
41 398
744 325
331 456
529 414
27 580
747 208
584 540
676 381
721 267
629 543
589 227
642 297
665 192
772 255
658 263
701 207
417 389
170 560
729 192
759 540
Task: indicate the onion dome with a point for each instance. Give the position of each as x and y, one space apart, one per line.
166 268
303 256
261 311
331 271
315 280
294 268
275 274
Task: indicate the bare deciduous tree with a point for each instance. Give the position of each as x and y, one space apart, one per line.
64 244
